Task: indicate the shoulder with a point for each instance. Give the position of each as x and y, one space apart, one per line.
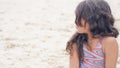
109 43
74 46
109 40
74 50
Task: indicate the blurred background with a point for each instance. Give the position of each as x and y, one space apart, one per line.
33 33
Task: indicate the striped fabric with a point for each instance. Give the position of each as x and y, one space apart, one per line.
94 58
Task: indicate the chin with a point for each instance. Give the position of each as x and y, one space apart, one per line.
81 32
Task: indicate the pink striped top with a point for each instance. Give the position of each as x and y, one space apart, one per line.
94 58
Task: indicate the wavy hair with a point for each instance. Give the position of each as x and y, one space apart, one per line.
97 14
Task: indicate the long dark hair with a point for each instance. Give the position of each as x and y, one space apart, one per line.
97 14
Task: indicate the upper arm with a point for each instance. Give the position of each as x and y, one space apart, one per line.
111 52
74 59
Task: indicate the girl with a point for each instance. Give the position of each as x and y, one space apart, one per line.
94 45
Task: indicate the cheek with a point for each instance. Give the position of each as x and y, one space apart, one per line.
80 29
88 28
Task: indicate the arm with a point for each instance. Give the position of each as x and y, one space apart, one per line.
74 59
111 52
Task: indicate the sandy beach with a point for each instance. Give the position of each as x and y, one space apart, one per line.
33 33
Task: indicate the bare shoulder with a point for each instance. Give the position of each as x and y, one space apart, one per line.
109 40
74 46
109 43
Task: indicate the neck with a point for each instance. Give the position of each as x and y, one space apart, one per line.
89 36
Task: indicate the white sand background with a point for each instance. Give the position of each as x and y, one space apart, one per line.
33 33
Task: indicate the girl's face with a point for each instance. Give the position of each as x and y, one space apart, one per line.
83 29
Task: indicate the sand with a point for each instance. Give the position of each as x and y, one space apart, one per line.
33 33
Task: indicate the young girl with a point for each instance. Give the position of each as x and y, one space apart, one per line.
94 45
